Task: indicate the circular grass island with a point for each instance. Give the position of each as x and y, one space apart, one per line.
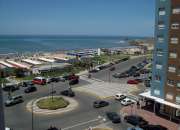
52 104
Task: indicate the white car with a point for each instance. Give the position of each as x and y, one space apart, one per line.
8 128
120 96
127 101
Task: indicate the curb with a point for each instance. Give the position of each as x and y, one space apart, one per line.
73 104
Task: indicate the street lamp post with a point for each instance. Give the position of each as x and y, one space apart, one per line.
2 122
32 115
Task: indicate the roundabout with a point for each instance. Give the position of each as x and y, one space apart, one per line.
47 105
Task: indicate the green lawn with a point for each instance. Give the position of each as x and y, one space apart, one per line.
56 103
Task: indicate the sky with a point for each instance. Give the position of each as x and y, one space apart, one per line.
77 17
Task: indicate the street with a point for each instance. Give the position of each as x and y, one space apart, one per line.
18 118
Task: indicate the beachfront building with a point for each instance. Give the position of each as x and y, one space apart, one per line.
165 86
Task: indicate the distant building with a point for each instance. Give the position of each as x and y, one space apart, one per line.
165 87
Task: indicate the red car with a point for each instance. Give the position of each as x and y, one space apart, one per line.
39 81
132 82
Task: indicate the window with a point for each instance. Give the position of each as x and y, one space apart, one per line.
158 66
156 92
172 68
160 39
176 10
169 96
178 99
175 26
178 84
161 25
162 11
159 52
157 78
174 40
172 55
171 82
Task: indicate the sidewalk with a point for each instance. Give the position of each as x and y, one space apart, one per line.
150 117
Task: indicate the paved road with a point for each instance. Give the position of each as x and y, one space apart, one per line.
19 118
106 75
85 115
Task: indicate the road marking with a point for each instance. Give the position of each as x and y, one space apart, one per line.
80 124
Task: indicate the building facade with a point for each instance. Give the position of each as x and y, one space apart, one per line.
165 85
166 61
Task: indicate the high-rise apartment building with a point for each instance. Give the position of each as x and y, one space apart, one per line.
165 85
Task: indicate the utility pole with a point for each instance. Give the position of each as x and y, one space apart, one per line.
32 115
2 122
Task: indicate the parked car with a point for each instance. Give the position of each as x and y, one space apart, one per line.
134 128
70 77
112 68
135 120
132 82
144 71
27 83
68 93
48 80
39 81
95 70
147 83
73 81
153 127
127 101
101 103
120 96
114 117
30 89
53 128
136 74
7 128
133 68
121 75
11 87
55 79
14 100
140 80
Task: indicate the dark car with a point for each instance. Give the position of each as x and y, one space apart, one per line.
52 128
27 83
73 81
133 68
70 77
144 71
99 104
55 79
114 117
121 75
136 74
147 83
135 120
139 80
112 68
153 127
30 89
68 93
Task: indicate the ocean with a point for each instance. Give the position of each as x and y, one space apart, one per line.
26 44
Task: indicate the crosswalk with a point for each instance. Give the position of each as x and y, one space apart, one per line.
105 89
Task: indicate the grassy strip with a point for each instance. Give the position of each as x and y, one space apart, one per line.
56 103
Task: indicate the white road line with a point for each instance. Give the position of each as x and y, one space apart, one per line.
80 124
